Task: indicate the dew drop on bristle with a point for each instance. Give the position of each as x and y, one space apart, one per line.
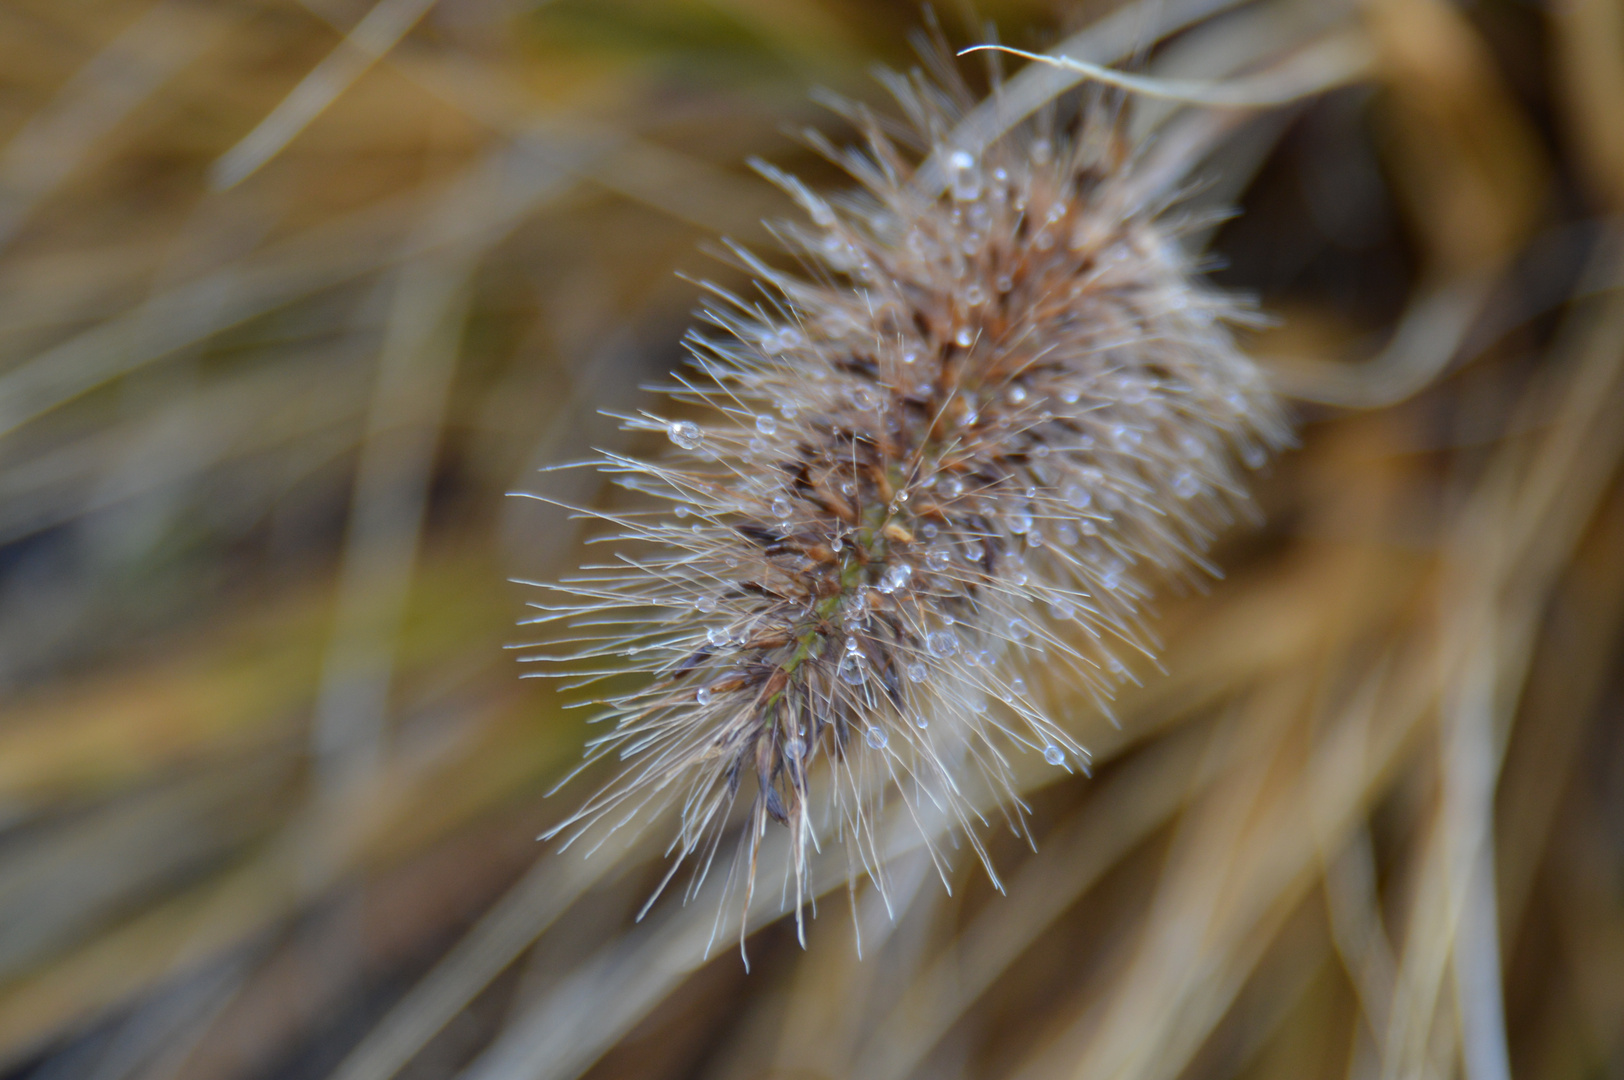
876 737
917 673
685 433
942 644
1054 755
964 175
895 578
766 425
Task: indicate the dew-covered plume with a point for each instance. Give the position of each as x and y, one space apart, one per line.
914 497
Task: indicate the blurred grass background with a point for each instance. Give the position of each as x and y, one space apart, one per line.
292 291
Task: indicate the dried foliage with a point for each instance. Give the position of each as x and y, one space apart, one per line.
296 290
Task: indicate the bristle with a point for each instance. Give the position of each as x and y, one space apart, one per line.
923 488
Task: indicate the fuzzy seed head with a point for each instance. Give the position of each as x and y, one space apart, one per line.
916 495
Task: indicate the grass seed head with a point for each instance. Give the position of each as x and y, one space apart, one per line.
919 496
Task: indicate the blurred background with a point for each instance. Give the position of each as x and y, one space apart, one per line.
293 291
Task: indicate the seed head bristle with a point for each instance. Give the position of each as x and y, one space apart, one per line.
922 492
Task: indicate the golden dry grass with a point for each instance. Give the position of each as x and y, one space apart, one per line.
269 785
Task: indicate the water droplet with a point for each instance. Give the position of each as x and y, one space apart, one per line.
929 530
910 355
682 511
1004 283
794 748
974 552
864 398
1017 685
1017 394
963 338
685 433
1066 533
716 636
789 338
1134 391
705 604
1034 538
918 673
1019 522
975 296
895 578
1125 437
1054 755
781 508
939 558
704 695
1070 395
836 543
950 486
941 644
876 737
1186 486
1019 630
1112 577
766 425
852 669
963 175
